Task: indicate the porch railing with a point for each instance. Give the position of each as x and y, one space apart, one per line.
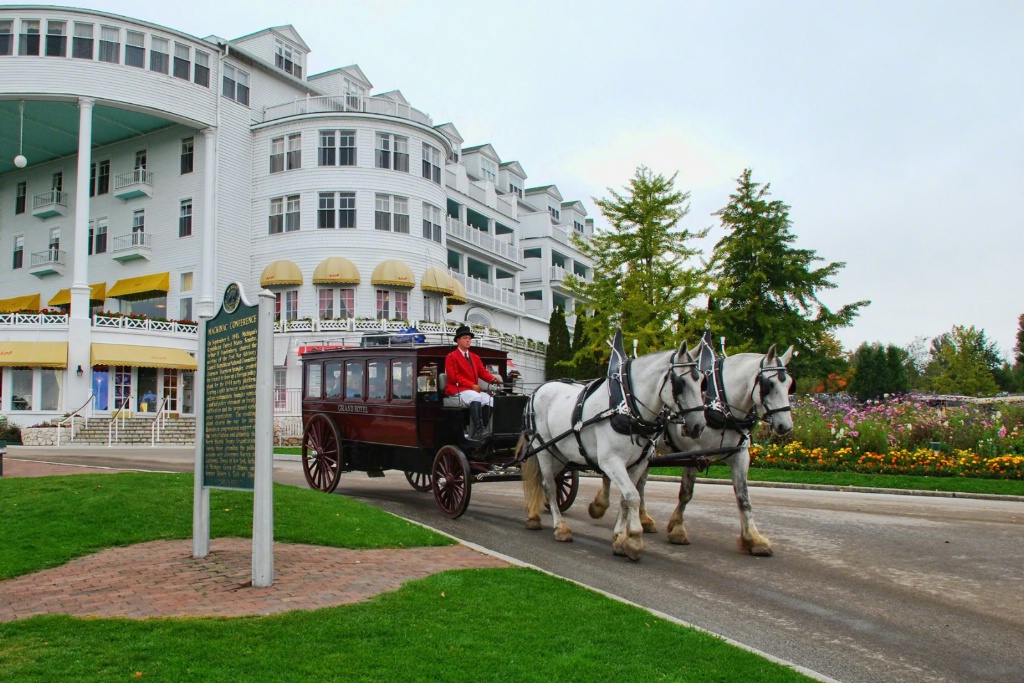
159 422
84 412
120 413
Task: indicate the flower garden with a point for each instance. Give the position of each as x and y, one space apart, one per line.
905 435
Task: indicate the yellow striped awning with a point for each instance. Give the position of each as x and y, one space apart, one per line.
97 295
336 270
436 280
458 295
29 302
34 354
393 273
281 273
142 287
142 356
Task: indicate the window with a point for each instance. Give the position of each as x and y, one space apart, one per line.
20 198
159 55
392 305
325 308
345 303
515 189
325 216
19 252
532 253
290 299
288 59
57 184
187 280
81 46
401 380
135 49
182 61
432 308
110 44
294 157
291 216
314 379
28 43
346 209
103 177
236 85
141 159
578 227
392 213
139 221
277 155
54 244
201 71
56 39
377 374
554 213
21 388
332 373
276 215
185 218
98 236
187 155
337 148
432 222
353 379
6 37
431 163
280 389
393 152
488 169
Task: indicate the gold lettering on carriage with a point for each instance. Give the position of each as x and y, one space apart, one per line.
349 408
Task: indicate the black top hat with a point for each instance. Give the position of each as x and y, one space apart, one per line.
463 331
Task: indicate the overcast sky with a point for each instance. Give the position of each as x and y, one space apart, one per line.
894 130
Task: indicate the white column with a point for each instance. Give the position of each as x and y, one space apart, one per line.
204 306
80 326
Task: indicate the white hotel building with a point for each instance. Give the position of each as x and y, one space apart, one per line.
135 158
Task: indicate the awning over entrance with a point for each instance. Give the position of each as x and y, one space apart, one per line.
336 270
97 295
29 302
436 280
142 356
281 273
393 273
281 347
458 295
34 354
142 287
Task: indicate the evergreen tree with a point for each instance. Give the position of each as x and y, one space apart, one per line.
961 363
646 273
879 371
558 344
766 290
1018 357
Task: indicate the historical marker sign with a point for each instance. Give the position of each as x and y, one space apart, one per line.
229 420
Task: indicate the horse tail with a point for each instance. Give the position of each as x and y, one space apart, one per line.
533 489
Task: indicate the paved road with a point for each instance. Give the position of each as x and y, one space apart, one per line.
863 587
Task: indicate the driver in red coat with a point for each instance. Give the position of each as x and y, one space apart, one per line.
465 370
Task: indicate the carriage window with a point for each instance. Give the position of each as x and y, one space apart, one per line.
332 383
313 380
377 371
353 379
401 379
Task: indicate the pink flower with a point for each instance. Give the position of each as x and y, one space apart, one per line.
1002 432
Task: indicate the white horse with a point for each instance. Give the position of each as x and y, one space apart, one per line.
755 386
667 379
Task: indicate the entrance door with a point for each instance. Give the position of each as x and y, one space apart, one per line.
122 386
170 391
147 391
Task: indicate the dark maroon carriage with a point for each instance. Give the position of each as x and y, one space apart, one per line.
382 407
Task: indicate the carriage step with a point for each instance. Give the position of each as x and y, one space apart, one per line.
375 473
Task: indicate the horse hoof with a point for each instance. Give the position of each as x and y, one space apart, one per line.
761 551
597 511
634 548
650 527
757 548
563 534
678 536
533 524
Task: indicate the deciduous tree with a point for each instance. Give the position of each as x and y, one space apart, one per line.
961 363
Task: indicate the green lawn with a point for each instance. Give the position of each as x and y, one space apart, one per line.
887 481
472 625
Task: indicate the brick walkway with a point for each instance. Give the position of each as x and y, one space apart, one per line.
161 579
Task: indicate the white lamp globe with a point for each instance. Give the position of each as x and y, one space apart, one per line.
20 161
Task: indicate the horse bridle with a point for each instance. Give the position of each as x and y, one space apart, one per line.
764 385
678 386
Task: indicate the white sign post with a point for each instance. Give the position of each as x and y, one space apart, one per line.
263 490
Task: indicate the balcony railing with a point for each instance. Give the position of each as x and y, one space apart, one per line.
143 324
48 257
134 183
133 245
47 320
50 203
485 291
485 241
351 103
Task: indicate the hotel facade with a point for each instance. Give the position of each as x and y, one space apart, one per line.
143 169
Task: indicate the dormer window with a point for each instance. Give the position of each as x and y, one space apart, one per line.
554 213
288 59
514 188
488 170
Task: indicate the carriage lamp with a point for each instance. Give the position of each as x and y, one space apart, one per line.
20 161
79 371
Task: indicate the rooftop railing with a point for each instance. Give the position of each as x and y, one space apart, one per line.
368 105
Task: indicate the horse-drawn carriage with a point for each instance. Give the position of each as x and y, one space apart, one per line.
374 408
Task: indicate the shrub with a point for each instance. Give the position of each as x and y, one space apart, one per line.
10 433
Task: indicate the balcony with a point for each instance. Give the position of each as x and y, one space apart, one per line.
49 262
134 245
52 203
486 242
484 292
351 103
557 274
123 322
137 183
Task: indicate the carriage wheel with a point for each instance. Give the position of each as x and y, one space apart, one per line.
451 482
419 481
568 485
321 454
